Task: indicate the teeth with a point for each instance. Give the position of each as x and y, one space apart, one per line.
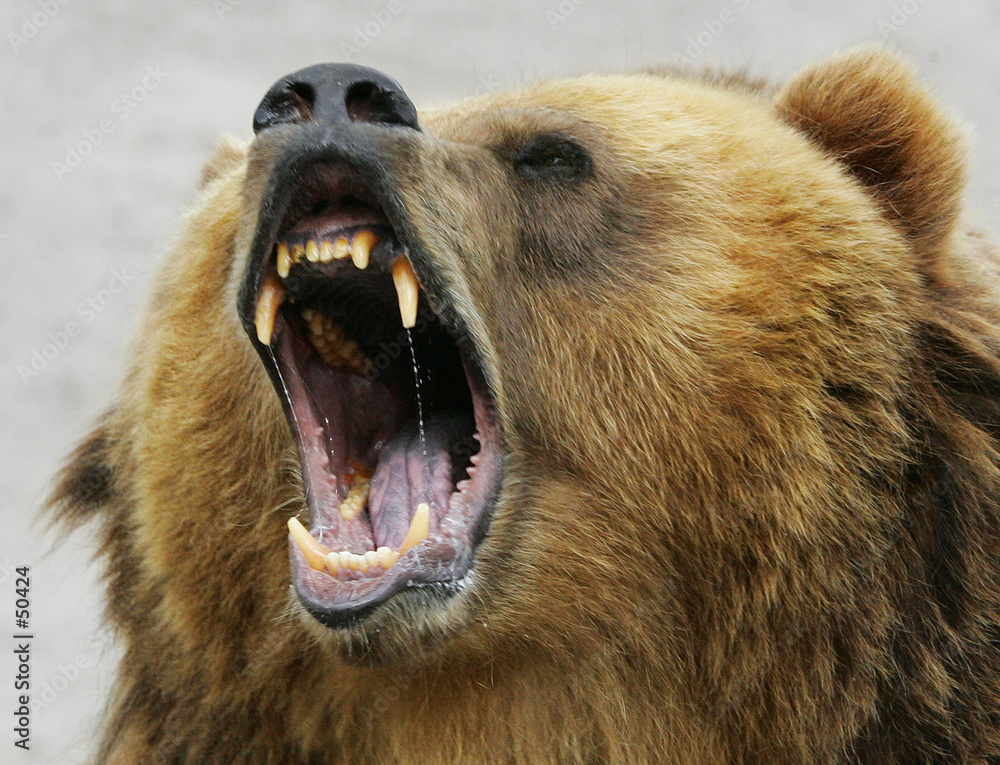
361 247
359 250
386 557
419 527
333 347
321 557
354 503
316 324
284 260
341 248
272 293
336 561
314 552
407 290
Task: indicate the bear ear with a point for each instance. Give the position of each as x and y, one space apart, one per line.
867 109
85 485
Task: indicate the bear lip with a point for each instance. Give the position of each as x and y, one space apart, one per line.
328 203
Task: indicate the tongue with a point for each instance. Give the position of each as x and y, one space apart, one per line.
412 470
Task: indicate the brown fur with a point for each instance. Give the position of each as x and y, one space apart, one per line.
748 377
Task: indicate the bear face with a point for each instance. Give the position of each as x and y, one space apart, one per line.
647 409
531 206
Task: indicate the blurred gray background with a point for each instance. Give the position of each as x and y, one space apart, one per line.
109 108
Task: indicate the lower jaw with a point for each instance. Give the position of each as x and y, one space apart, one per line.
411 607
399 633
414 583
429 570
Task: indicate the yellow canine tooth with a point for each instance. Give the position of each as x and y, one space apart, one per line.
284 260
420 526
341 248
361 247
272 293
314 552
407 290
312 251
326 253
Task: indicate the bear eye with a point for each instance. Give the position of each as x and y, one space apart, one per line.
553 157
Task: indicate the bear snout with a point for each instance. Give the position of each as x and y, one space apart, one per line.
332 93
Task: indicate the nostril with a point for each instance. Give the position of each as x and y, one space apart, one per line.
327 94
368 102
359 101
292 103
301 98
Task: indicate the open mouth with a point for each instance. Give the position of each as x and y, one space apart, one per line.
393 419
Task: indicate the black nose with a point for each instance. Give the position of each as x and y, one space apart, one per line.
331 93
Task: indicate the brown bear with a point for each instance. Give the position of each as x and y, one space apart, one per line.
642 418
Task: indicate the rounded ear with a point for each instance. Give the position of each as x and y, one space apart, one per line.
867 109
85 486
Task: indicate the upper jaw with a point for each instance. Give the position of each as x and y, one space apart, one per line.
377 160
299 170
